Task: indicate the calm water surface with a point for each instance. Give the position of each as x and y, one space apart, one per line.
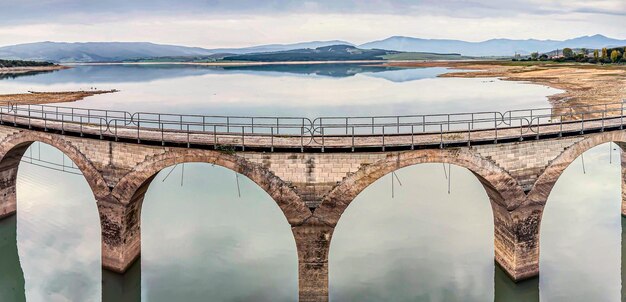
202 242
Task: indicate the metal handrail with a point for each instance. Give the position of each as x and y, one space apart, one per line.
272 131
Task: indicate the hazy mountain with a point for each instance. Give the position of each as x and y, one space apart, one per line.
123 51
95 51
324 53
279 47
128 51
493 47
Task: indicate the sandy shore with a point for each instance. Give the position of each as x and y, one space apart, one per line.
582 83
33 97
18 70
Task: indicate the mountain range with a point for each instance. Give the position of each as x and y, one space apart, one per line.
493 47
63 52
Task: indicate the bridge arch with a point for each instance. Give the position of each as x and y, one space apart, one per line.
132 187
501 188
545 182
12 149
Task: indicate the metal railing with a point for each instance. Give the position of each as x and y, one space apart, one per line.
321 133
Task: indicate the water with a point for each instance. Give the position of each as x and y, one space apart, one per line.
201 242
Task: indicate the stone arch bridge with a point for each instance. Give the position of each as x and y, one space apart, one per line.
313 169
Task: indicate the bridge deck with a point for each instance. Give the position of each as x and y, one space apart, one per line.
307 142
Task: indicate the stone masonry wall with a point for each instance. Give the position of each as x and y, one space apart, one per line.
313 174
526 160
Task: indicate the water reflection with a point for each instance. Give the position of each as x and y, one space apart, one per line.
122 287
508 291
11 276
274 90
422 245
58 231
199 239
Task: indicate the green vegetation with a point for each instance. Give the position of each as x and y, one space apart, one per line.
18 63
424 56
325 53
616 55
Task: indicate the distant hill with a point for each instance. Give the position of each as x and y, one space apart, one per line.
325 53
493 47
95 51
62 52
279 47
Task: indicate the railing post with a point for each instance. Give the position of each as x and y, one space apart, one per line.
162 134
469 134
383 138
561 126
352 138
495 127
302 137
323 142
412 138
272 138
81 125
398 123
214 136
243 138
115 130
139 140
538 129
621 117
582 123
188 137
441 136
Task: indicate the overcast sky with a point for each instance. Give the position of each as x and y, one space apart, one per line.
233 23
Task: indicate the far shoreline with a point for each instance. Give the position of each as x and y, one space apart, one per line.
27 69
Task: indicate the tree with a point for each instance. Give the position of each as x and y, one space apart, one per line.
615 55
568 53
596 54
624 56
584 51
534 55
604 53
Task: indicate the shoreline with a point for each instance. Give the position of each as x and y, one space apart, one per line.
235 63
581 84
40 98
27 69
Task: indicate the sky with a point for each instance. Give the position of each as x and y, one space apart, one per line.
238 23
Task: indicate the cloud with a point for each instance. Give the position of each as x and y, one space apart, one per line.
220 23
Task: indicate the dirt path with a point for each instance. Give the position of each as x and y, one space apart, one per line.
582 83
